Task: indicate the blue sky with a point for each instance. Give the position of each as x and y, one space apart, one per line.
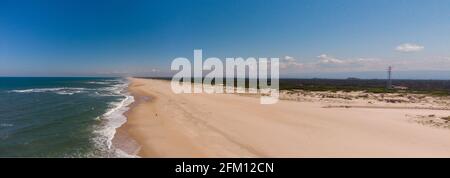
312 37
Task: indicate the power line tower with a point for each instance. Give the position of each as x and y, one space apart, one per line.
389 81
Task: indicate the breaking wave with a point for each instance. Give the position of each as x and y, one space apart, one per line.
60 91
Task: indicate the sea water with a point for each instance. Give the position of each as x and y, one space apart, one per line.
61 117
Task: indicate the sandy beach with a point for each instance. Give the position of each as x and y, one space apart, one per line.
165 124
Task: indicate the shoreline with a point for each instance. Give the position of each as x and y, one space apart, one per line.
114 118
163 124
122 142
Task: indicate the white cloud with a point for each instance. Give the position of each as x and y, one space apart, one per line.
155 70
289 58
409 47
366 59
330 63
290 62
444 58
326 59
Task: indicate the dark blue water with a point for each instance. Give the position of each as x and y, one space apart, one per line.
60 117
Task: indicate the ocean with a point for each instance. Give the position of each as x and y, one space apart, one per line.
61 117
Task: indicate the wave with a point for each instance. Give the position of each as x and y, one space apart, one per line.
112 90
60 91
114 117
100 83
117 98
6 125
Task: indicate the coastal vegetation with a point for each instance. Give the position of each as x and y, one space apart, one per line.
430 87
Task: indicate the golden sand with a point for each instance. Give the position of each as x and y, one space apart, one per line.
227 125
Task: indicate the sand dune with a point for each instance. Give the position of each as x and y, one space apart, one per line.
226 125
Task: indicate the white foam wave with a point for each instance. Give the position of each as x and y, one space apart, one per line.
123 154
60 91
100 83
6 125
115 117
